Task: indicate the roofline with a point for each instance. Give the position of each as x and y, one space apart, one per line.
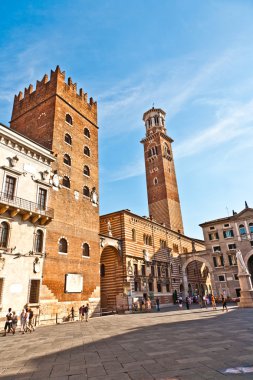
147 219
231 217
26 141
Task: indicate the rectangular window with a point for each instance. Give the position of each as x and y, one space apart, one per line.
150 286
143 270
34 291
152 270
159 271
159 288
1 289
166 272
212 228
167 288
214 236
135 269
251 243
230 260
228 234
136 286
222 278
226 225
236 277
42 199
216 248
231 246
10 186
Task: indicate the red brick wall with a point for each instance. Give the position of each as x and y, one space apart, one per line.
76 220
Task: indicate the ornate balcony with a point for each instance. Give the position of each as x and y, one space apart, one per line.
28 209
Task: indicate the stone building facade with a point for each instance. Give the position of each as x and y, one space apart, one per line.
64 121
145 262
223 237
24 219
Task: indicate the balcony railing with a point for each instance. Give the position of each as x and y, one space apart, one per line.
24 204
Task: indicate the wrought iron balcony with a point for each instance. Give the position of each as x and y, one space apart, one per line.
27 209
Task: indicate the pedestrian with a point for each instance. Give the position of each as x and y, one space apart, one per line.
30 320
23 321
187 303
149 304
8 323
86 312
180 302
213 302
72 314
14 322
157 301
224 303
27 320
81 313
205 301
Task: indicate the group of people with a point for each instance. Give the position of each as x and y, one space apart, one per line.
204 301
84 312
26 321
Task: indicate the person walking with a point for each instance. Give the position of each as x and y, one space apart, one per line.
224 303
8 323
86 312
23 321
180 302
187 302
157 301
30 320
27 320
14 322
213 302
72 314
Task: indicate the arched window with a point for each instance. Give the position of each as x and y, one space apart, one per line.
86 132
4 234
149 240
67 159
86 151
66 182
102 270
69 119
86 170
251 228
133 234
242 229
86 250
39 241
63 246
155 181
68 139
86 191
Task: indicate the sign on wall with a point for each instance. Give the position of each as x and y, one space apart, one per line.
73 283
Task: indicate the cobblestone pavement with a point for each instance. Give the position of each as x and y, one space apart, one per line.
173 344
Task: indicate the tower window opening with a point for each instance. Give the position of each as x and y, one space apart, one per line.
86 170
86 151
67 160
66 182
68 139
86 132
69 119
86 191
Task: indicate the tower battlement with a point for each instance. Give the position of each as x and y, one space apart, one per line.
48 87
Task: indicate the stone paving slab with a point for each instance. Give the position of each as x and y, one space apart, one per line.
171 345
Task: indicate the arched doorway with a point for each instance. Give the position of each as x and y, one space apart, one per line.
198 278
111 275
250 267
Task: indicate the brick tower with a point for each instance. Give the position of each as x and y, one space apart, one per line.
57 117
163 198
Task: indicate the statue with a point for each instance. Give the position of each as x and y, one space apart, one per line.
242 268
109 227
94 197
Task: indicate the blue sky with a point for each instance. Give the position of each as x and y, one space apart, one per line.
192 58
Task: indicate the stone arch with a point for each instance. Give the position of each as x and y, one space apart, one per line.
112 280
247 256
197 258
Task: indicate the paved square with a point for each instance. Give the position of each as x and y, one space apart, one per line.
172 344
